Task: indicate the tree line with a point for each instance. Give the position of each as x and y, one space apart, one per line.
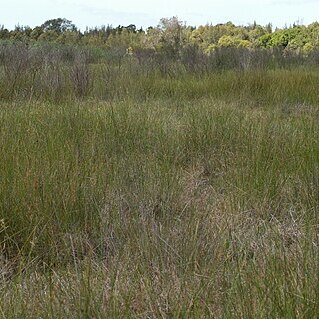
171 36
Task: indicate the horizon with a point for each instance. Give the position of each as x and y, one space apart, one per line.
142 14
144 28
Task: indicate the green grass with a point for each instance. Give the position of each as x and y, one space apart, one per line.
194 199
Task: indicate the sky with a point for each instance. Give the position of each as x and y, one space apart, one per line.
144 13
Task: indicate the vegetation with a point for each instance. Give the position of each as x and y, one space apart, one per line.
175 182
171 35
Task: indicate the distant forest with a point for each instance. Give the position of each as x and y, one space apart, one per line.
171 37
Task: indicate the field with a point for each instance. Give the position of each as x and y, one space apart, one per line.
150 196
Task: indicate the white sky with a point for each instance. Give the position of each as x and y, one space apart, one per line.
148 12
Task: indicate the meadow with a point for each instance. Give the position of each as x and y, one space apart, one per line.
131 191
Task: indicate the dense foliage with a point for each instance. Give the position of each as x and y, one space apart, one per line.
171 36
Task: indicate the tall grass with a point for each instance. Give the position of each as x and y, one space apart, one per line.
60 74
160 197
159 209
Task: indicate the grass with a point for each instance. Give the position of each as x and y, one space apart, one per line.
175 198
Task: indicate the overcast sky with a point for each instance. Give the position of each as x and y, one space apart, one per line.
148 12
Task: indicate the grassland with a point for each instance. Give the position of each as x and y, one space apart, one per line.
162 197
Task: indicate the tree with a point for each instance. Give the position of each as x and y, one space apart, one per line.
4 33
69 37
282 38
49 36
58 25
20 33
228 41
36 33
171 36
